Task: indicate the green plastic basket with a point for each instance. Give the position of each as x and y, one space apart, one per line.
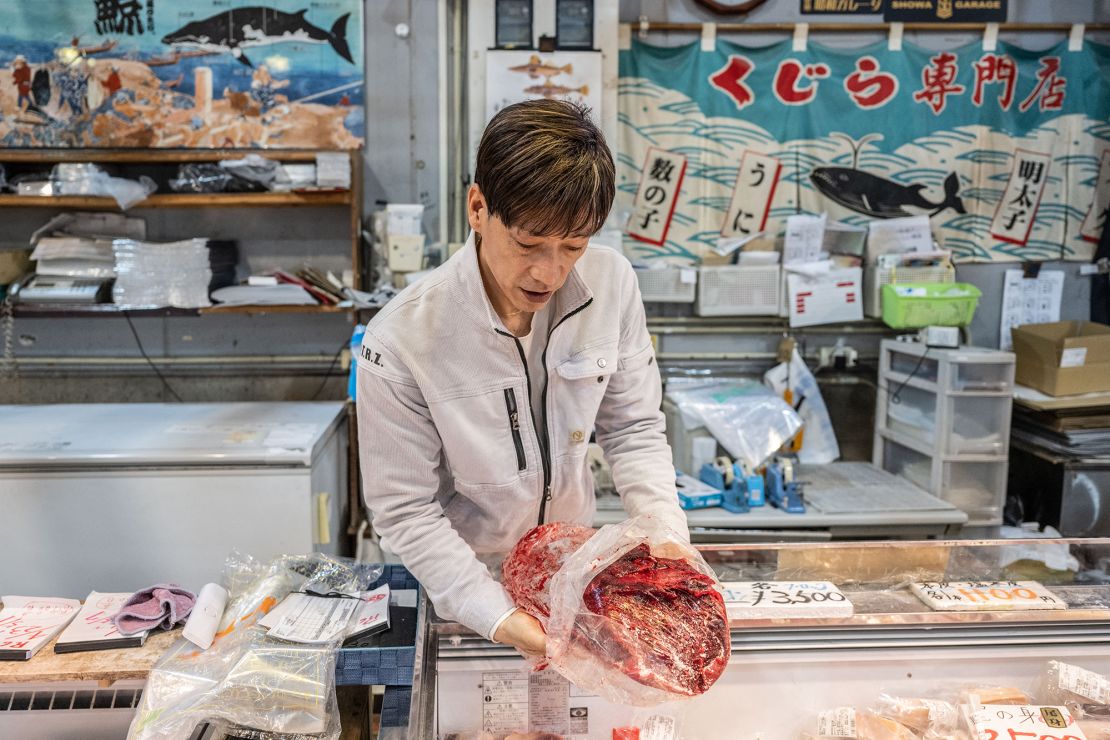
914 305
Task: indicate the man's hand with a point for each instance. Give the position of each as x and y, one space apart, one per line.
523 631
670 550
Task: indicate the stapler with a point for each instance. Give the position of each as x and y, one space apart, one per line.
723 475
783 491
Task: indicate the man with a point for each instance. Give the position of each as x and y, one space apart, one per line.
480 385
21 78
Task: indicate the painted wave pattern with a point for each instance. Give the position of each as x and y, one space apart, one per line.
654 116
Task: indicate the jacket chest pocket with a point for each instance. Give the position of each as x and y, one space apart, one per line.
483 435
583 380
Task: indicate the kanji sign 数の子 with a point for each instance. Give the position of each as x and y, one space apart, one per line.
1004 150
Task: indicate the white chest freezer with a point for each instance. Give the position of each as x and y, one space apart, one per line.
116 497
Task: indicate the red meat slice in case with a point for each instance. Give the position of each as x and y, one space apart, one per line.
666 623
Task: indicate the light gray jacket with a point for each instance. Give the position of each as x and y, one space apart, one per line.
452 462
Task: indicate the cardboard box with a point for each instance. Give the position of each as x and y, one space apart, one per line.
1064 357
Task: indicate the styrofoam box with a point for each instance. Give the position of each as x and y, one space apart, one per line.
833 297
876 277
738 290
668 284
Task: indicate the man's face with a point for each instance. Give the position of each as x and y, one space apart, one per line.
521 270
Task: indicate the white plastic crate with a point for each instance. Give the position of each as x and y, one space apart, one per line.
739 290
876 277
668 284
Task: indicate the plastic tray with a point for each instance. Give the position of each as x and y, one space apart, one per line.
914 305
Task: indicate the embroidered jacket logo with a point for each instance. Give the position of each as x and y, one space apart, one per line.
374 358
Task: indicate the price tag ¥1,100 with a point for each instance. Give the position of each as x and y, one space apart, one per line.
971 596
785 599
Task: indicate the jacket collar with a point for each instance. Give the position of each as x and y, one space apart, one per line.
472 293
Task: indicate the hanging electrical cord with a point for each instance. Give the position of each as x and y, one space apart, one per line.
327 373
895 397
139 344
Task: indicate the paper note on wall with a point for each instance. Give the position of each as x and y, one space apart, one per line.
1029 301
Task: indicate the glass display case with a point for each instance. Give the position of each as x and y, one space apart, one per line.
783 672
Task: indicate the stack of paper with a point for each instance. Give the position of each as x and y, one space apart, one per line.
74 256
92 628
333 170
318 618
29 622
150 274
263 295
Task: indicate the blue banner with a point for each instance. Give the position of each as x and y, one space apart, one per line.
1002 149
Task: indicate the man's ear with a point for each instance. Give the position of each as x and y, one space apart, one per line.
476 211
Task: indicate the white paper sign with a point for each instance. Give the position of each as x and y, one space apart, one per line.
1085 683
310 619
828 299
94 621
804 236
898 236
1013 219
504 701
971 596
756 179
1096 214
28 622
1016 721
839 722
373 611
1029 301
660 184
784 599
513 76
1073 357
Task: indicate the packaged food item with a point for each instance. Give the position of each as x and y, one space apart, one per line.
920 715
870 726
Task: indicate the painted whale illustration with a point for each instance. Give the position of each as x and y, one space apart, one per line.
881 198
239 28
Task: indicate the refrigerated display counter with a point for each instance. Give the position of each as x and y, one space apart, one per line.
783 672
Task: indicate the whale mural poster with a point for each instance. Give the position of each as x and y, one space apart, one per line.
201 74
1002 150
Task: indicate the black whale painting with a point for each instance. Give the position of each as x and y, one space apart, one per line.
239 28
878 197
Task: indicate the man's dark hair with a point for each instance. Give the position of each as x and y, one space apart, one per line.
543 166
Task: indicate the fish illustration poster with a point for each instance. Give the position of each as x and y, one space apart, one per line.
1007 151
513 76
201 74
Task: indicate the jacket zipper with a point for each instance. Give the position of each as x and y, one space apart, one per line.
514 425
546 441
541 431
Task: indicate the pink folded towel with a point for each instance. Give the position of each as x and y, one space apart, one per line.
163 605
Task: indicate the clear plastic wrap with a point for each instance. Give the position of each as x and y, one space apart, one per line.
257 169
260 686
150 274
1085 693
632 613
82 178
747 419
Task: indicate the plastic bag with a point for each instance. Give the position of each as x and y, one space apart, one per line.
1085 693
200 178
747 419
82 178
151 274
246 680
819 444
257 169
633 627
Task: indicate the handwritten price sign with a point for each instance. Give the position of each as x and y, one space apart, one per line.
1016 722
970 596
784 599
